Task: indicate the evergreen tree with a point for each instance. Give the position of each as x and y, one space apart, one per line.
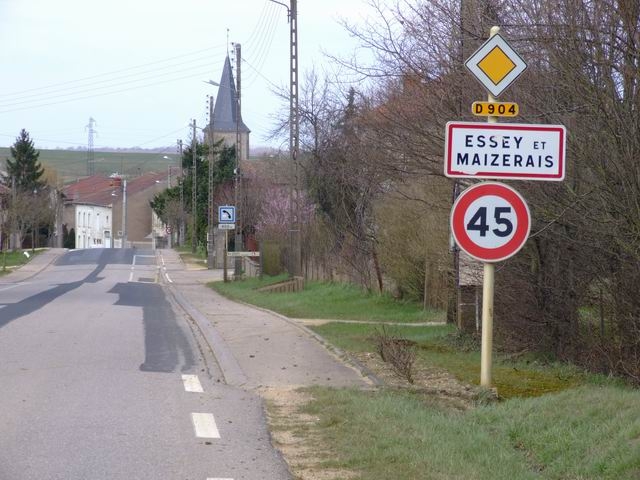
23 166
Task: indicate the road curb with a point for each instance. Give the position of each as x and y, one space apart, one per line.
229 366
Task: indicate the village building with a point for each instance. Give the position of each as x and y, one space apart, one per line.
93 209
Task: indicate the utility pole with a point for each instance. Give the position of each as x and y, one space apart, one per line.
194 171
91 167
124 214
181 180
294 140
295 247
13 235
237 173
210 192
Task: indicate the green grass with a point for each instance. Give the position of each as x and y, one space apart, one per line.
586 433
440 347
71 164
436 346
10 260
355 337
327 300
187 257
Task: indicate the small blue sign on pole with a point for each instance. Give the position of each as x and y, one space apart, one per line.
227 214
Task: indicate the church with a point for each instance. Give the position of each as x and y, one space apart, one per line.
227 121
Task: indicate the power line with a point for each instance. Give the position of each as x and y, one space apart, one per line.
259 73
110 73
265 42
162 136
262 18
108 84
46 104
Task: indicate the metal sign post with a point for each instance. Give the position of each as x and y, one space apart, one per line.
225 275
491 221
488 285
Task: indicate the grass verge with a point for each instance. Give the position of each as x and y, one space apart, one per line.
585 433
438 346
327 301
198 258
11 260
556 422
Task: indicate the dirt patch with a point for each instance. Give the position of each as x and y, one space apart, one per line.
295 435
433 382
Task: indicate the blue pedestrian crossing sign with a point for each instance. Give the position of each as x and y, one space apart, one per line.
227 214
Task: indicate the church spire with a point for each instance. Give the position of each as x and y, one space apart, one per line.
225 111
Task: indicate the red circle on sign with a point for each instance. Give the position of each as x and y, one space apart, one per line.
459 227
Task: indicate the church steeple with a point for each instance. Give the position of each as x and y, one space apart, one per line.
225 111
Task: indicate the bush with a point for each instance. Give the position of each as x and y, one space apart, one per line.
272 258
398 352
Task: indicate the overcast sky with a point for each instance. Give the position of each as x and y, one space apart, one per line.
138 66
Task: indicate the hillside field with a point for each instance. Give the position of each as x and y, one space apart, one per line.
71 165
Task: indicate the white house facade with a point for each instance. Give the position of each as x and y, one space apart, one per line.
94 226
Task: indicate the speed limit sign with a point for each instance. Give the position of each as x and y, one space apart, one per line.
490 221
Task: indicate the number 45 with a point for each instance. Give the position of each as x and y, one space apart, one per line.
479 222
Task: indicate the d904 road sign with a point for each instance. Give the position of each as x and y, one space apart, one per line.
490 221
495 109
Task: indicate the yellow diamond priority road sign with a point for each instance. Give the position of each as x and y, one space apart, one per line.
496 65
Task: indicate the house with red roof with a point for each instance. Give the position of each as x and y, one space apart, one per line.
93 208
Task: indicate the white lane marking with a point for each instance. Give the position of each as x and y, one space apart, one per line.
168 279
12 286
133 266
192 383
162 260
205 425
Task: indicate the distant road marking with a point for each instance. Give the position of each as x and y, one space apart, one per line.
168 279
192 383
133 266
205 425
12 286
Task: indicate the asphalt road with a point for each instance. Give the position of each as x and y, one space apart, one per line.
100 379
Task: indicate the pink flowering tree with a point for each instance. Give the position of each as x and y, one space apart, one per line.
274 220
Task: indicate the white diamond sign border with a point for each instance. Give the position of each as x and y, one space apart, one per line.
482 52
